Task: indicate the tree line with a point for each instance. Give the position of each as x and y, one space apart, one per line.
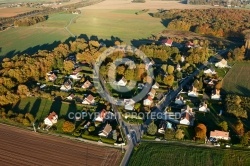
28 21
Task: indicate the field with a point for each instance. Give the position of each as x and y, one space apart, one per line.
150 154
40 108
237 79
9 12
105 20
22 147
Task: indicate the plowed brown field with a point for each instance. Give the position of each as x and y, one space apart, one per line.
22 147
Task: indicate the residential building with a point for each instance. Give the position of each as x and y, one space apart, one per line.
50 120
148 101
152 93
75 76
156 86
70 97
86 84
216 95
89 100
122 82
51 76
101 116
203 107
209 71
221 64
67 86
193 93
179 100
167 42
129 104
105 132
187 117
217 134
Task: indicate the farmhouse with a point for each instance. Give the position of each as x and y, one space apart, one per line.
50 120
105 132
89 100
219 135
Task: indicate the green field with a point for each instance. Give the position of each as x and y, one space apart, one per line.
237 80
150 154
40 108
123 24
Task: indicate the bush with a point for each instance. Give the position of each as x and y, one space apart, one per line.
108 141
30 117
59 125
86 132
26 122
91 128
90 137
68 127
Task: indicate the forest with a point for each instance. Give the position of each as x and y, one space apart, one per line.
215 22
28 21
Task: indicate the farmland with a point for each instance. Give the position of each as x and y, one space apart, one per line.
237 79
22 147
9 12
166 154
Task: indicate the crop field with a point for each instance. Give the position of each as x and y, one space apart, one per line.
150 154
40 108
9 12
22 147
237 79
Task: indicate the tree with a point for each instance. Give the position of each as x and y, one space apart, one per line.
91 128
129 74
178 75
22 90
169 80
152 128
68 66
164 67
170 69
200 131
196 84
224 126
179 134
68 127
169 134
137 106
245 139
239 127
218 85
120 70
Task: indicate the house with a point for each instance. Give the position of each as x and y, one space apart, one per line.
51 76
105 132
193 93
221 64
179 100
86 84
75 76
129 104
50 120
203 107
89 100
216 95
122 82
178 67
167 42
66 86
209 71
219 135
70 97
152 93
187 118
101 115
151 63
156 86
148 101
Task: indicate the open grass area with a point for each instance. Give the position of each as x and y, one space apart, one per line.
40 107
150 154
237 80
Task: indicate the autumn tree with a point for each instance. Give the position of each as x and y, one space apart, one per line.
224 126
170 69
179 134
120 70
239 127
169 134
129 74
200 131
169 80
22 90
68 127
152 128
68 66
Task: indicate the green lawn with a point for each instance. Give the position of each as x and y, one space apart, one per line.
40 108
154 154
237 80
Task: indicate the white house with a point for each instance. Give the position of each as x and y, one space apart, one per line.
148 101
187 118
86 85
50 120
209 71
221 64
66 86
216 95
152 93
89 100
70 97
105 132
129 104
219 135
75 76
203 108
122 82
101 116
156 86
